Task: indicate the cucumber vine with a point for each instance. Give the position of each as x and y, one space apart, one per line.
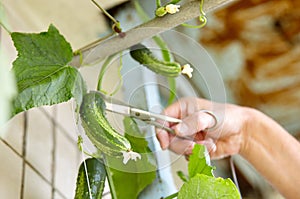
45 77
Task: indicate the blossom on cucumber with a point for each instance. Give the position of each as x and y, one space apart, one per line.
187 70
172 8
130 155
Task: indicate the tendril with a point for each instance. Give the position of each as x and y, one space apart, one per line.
202 18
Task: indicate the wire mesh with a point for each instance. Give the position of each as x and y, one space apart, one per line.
55 128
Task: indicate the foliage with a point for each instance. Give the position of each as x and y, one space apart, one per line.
197 162
44 77
203 186
201 182
42 72
130 179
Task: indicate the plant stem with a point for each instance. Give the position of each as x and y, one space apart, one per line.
172 196
5 28
105 12
140 11
174 1
167 56
120 76
91 45
110 180
158 3
102 72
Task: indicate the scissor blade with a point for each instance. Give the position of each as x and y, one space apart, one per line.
165 118
117 108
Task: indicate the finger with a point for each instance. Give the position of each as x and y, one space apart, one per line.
163 138
209 144
182 107
181 146
196 122
175 110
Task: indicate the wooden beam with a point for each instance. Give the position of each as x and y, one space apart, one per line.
112 45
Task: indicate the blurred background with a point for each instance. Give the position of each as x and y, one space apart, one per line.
255 45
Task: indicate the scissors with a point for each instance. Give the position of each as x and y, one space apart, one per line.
119 107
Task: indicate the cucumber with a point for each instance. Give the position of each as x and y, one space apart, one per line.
96 176
97 128
144 56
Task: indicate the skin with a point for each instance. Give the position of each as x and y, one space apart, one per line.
240 130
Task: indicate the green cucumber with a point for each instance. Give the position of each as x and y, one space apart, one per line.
97 128
144 56
96 173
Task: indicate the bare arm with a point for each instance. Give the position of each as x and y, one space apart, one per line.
245 131
273 152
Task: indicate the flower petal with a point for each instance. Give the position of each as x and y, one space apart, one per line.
127 155
187 69
172 8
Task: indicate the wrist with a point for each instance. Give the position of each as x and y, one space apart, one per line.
250 124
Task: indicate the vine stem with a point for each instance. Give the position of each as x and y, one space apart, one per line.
105 12
5 28
115 44
167 56
171 196
158 3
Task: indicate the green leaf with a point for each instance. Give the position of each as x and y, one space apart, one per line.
42 72
203 186
130 179
96 175
197 162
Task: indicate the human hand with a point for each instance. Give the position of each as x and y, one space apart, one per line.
225 139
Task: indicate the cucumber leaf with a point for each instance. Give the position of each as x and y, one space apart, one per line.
42 72
197 162
131 179
203 186
202 183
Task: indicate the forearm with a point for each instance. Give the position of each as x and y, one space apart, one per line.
273 152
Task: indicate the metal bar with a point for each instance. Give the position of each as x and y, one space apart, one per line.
24 144
53 153
149 29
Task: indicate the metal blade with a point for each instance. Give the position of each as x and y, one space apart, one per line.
117 108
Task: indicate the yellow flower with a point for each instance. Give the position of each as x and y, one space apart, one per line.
187 69
130 155
172 8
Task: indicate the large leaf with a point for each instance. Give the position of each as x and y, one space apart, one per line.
197 162
130 179
42 72
202 187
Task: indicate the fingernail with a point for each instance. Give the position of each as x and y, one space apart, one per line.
164 146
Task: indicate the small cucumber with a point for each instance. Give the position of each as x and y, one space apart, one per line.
97 128
96 178
145 57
